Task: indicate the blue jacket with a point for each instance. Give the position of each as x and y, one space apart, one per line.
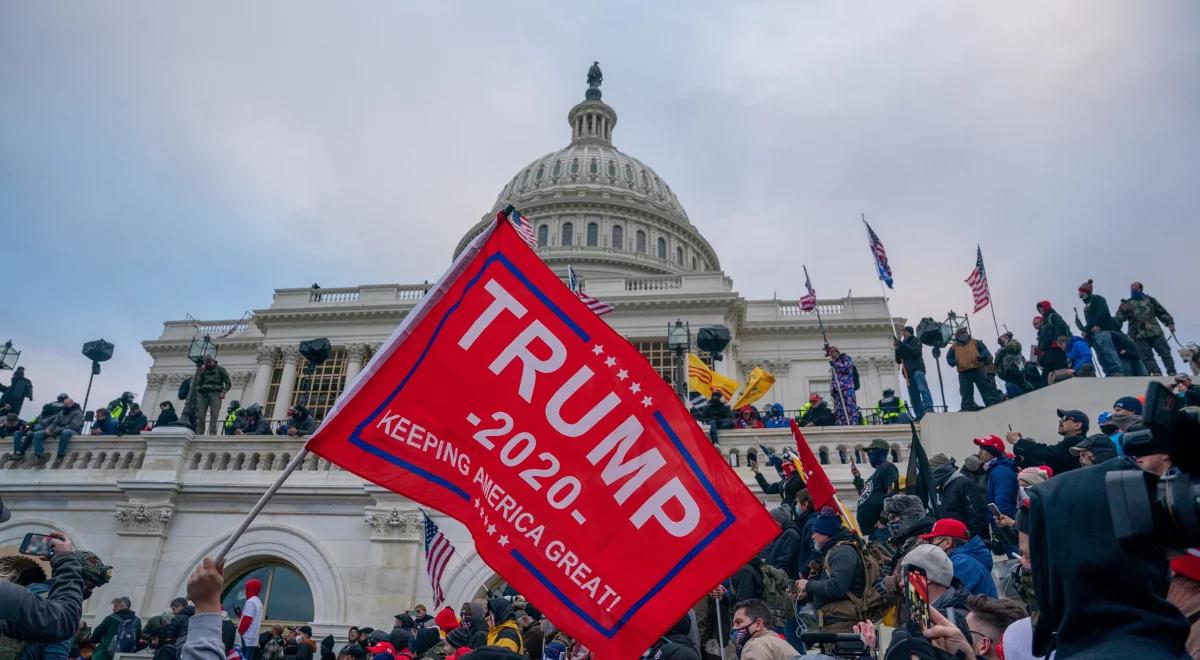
1002 485
1079 354
776 419
973 567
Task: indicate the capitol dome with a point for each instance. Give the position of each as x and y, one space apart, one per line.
599 209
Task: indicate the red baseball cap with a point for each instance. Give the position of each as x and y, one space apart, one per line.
992 442
955 529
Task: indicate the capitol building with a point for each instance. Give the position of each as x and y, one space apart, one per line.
335 551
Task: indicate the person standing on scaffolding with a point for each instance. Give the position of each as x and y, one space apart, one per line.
844 385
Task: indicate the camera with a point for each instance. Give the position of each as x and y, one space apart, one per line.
1152 512
839 645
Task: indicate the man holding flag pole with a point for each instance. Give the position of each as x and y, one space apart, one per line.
808 303
884 270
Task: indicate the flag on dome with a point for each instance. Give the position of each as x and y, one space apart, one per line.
808 302
598 307
521 223
881 259
978 282
438 551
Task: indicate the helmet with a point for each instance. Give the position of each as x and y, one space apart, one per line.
889 391
94 571
128 395
235 404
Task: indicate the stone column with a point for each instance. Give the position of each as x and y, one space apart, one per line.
237 389
262 377
287 381
153 395
356 357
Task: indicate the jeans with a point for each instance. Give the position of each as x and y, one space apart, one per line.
249 652
1147 346
1106 351
918 393
39 442
1134 367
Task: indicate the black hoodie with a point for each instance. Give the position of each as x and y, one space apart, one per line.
1096 600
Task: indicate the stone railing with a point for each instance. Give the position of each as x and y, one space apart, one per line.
222 328
343 295
367 294
249 454
92 453
825 309
838 309
653 283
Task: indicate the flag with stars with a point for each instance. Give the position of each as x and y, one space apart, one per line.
563 452
521 224
880 255
598 307
438 551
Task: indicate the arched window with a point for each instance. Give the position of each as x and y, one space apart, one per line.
641 241
679 256
823 455
593 234
285 594
568 234
662 248
618 237
693 263
543 235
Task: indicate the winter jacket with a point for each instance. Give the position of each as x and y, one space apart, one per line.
676 644
957 354
134 422
1096 314
215 379
106 426
17 390
959 498
784 551
167 416
1031 453
204 642
1094 598
1143 316
1053 327
303 425
178 628
807 553
786 488
28 617
905 540
479 627
909 354
1002 485
818 415
104 633
882 483
776 420
7 431
252 425
67 419
768 645
973 567
845 575
747 418
505 634
1079 353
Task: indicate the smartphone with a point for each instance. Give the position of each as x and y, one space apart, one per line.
994 509
916 596
37 545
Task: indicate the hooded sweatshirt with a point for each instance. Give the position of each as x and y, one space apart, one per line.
478 627
252 613
505 634
777 420
1002 485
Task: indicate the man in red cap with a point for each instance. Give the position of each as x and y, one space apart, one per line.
971 558
816 412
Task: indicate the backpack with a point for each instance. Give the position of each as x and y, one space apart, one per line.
125 639
871 605
775 594
273 649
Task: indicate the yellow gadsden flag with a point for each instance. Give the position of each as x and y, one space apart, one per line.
757 385
704 380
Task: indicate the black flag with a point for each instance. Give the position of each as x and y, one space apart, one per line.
919 478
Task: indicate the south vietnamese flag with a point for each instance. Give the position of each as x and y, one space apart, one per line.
502 401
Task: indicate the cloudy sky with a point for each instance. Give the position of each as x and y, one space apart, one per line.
160 159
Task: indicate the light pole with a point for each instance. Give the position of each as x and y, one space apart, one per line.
97 351
9 356
679 340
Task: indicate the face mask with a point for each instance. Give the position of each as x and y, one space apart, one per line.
466 620
817 545
894 527
1136 295
738 636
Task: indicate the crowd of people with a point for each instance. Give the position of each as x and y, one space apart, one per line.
63 419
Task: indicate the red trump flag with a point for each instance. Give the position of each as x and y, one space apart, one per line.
505 403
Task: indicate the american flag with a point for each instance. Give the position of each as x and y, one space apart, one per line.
808 302
438 552
598 307
521 223
978 282
881 261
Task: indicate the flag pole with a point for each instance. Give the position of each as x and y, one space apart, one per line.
991 301
886 305
262 502
833 384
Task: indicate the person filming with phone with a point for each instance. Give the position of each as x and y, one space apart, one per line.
28 617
